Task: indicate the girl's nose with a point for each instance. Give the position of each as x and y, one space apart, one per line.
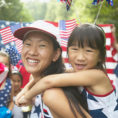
80 56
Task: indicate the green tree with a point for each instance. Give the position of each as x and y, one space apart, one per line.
13 10
37 9
82 10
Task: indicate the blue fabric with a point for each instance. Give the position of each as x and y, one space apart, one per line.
5 94
5 112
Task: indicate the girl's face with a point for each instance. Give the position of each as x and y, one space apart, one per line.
4 60
37 53
83 58
17 82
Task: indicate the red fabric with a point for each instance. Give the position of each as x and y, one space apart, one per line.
24 73
1 68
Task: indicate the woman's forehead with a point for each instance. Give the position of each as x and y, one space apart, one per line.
38 36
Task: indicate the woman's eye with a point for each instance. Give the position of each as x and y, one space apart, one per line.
42 45
26 43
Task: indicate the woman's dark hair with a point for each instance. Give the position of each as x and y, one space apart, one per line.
5 54
75 100
15 72
74 96
57 66
92 36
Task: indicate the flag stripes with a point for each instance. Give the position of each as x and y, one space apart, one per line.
7 35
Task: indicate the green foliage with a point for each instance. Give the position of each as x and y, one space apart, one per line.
37 9
82 10
13 10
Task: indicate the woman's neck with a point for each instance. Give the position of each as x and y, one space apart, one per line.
36 77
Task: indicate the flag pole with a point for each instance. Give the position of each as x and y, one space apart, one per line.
98 12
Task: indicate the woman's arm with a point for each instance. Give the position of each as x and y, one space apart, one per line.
82 78
58 104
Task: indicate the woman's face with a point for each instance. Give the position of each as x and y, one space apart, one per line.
83 58
37 53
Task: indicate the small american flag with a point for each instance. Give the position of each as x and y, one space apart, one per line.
15 56
7 36
68 3
66 27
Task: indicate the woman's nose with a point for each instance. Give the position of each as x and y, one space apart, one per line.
33 50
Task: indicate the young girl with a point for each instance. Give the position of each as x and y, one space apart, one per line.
17 81
86 52
41 55
6 89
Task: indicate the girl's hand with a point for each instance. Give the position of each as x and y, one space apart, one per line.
23 101
17 98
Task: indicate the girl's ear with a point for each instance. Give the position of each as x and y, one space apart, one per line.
57 55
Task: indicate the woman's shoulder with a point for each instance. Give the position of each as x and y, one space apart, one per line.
52 94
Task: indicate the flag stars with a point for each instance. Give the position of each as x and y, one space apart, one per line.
12 43
2 26
2 42
7 23
7 46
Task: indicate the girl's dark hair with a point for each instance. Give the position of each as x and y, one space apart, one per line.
92 36
73 95
19 74
4 54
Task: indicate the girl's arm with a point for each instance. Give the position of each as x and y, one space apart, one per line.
82 78
24 90
11 104
58 104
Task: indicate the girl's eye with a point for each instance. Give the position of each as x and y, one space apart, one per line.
42 45
73 48
89 50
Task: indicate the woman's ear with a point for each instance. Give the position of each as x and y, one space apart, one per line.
57 55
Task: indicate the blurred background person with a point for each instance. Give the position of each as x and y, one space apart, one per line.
6 87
